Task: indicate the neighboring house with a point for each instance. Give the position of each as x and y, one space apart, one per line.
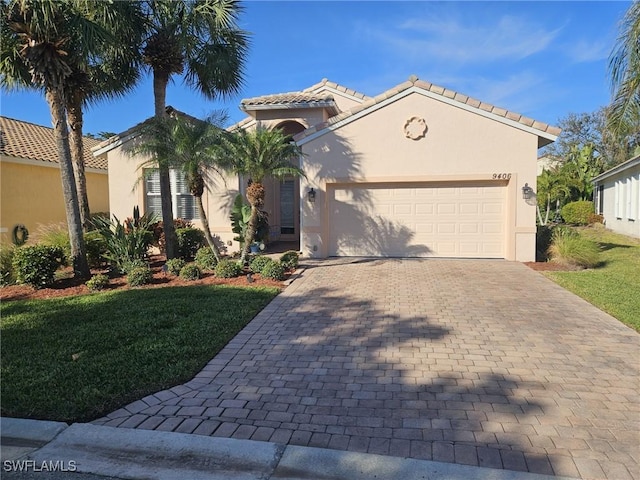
617 197
546 163
417 171
30 184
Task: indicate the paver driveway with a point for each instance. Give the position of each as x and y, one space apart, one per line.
476 362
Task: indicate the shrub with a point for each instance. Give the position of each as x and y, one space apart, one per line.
96 249
274 270
139 276
190 240
175 265
258 263
135 263
123 242
55 235
595 218
290 259
158 231
570 248
228 269
543 242
190 272
240 215
206 259
577 213
36 265
7 276
98 282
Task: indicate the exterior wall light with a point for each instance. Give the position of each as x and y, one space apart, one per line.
527 191
311 195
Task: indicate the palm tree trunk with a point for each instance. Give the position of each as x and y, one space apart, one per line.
250 234
160 81
205 227
74 115
61 133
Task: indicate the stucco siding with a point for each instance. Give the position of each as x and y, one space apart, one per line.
458 146
621 210
32 195
126 192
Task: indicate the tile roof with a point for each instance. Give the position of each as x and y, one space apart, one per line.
302 99
329 84
435 89
35 142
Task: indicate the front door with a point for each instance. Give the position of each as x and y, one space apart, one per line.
289 209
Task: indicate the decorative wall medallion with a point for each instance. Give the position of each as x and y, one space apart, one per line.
415 128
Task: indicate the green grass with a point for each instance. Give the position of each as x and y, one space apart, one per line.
614 286
78 358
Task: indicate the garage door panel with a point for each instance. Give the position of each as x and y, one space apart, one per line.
437 220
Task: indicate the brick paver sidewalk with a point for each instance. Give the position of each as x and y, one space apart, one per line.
474 362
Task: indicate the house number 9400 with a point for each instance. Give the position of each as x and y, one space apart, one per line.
501 176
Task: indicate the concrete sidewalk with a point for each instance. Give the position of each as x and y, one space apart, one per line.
93 452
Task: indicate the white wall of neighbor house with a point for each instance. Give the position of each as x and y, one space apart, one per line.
459 147
620 203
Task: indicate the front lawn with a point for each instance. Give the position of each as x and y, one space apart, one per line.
75 359
615 285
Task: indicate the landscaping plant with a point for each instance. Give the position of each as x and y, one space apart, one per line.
139 276
578 213
190 272
36 265
273 270
190 240
7 276
290 259
228 269
125 242
258 263
568 247
206 259
98 282
175 265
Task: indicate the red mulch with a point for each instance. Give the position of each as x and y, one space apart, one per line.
69 286
550 267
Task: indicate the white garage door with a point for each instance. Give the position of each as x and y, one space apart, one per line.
417 220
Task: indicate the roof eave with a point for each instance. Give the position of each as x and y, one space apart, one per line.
285 106
632 162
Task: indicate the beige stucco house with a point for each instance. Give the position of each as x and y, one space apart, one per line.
617 197
416 171
30 185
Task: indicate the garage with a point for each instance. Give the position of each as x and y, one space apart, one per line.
463 219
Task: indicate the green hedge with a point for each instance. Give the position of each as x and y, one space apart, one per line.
577 213
36 265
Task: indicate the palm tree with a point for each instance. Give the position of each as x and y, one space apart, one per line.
200 40
192 146
111 75
37 37
552 186
624 67
258 154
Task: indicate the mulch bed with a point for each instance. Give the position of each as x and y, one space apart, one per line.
67 286
551 267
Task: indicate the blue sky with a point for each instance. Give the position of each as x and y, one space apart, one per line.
541 59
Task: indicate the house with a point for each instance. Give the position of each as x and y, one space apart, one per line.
546 163
617 197
416 171
30 185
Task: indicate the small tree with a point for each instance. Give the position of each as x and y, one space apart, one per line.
258 154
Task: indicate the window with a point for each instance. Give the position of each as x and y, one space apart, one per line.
619 199
600 193
184 204
634 197
628 187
